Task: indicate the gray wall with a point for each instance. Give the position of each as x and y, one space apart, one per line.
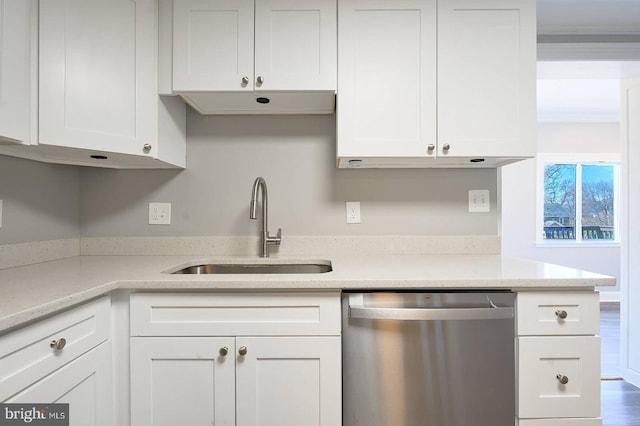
40 201
296 156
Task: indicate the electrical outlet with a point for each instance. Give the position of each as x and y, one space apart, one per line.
353 211
479 201
159 213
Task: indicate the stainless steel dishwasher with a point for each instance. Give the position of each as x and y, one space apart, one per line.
428 359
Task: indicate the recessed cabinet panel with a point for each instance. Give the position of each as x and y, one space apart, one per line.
289 381
18 92
27 354
92 85
486 78
212 45
558 313
182 381
85 384
232 314
295 45
387 80
558 377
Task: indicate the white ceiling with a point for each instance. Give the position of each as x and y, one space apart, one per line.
581 91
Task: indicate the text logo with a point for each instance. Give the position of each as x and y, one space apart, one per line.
34 414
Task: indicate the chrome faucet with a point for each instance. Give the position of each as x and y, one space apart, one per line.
265 239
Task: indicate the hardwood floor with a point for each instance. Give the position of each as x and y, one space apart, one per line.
620 400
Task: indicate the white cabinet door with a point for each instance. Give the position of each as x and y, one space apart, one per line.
182 381
98 76
486 78
18 90
212 45
289 381
387 78
295 45
85 384
558 377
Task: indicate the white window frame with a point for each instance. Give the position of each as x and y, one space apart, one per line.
578 159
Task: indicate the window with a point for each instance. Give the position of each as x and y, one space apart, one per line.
579 201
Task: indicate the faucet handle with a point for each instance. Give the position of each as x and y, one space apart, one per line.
275 240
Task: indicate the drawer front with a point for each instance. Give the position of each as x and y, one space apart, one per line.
544 363
235 314
26 354
558 313
561 422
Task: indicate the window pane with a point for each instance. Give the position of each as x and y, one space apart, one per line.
597 203
559 202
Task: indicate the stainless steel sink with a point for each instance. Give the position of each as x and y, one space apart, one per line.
256 268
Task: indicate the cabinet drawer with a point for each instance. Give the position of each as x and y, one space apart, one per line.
235 314
542 313
541 393
26 354
560 422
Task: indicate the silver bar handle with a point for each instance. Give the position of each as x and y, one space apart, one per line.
430 314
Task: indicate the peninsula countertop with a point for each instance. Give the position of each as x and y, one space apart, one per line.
30 292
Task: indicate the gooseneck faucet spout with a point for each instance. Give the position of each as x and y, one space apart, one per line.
265 239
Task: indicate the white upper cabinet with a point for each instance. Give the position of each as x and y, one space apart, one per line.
427 83
226 54
18 90
212 45
486 78
98 100
295 45
387 78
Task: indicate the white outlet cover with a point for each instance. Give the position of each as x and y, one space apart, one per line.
479 201
159 213
353 211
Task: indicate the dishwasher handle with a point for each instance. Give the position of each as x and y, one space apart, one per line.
430 314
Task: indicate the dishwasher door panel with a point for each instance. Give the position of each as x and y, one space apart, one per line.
415 372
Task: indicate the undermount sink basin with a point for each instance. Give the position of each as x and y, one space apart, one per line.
256 268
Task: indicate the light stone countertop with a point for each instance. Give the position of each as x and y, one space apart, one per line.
30 292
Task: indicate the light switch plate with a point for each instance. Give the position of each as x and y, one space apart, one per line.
479 201
159 213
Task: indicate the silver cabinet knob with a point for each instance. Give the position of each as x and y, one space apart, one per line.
242 350
446 147
224 351
562 314
260 80
245 80
562 379
431 147
146 147
59 344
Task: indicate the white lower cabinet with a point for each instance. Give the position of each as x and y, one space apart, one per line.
65 358
558 358
289 381
558 376
182 380
85 384
277 377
